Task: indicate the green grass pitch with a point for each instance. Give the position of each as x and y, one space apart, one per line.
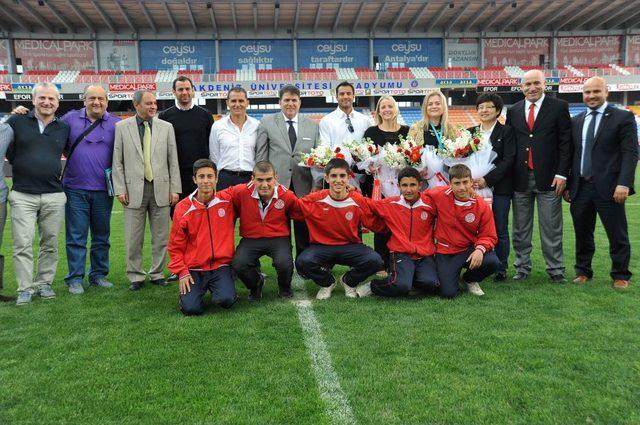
526 353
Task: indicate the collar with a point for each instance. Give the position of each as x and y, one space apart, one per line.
342 115
490 130
140 121
601 109
294 119
32 114
255 195
231 123
538 103
406 204
184 109
83 114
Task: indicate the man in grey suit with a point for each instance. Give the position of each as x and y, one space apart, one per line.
282 138
146 180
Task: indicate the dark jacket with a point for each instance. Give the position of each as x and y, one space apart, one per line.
504 145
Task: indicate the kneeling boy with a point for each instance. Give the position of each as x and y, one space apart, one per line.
465 233
333 216
411 248
201 243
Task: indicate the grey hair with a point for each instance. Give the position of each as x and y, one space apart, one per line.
137 96
95 86
44 85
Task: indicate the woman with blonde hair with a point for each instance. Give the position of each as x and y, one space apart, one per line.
434 127
386 130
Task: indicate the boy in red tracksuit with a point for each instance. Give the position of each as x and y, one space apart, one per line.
465 234
411 248
201 243
263 206
333 217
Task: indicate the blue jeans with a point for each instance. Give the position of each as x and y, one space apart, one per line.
87 210
501 206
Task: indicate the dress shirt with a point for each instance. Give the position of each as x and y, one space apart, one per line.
527 105
587 120
233 149
185 109
486 135
295 123
140 122
262 207
334 130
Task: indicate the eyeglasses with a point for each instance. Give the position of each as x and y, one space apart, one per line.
349 125
486 108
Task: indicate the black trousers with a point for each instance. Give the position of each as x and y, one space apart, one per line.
231 178
449 267
584 207
246 261
219 282
316 262
406 273
301 236
380 246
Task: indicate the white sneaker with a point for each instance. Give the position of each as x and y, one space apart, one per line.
474 288
349 292
364 290
325 292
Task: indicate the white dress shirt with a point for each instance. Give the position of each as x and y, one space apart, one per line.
486 135
233 149
585 126
185 109
295 123
527 105
334 130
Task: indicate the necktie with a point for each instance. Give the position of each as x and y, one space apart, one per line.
146 152
292 135
588 146
349 125
530 122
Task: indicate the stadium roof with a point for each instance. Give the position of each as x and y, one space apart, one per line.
305 18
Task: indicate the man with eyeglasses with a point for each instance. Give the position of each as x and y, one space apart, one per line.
345 123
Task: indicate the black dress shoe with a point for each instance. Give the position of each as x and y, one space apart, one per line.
173 277
5 299
285 293
499 277
136 286
159 282
558 278
520 276
255 294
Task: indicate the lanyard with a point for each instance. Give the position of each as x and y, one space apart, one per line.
438 136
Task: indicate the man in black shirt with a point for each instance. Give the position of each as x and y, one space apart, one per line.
37 140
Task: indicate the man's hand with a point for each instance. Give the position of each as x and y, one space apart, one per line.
173 198
185 284
19 110
621 194
566 195
424 173
559 184
479 183
475 259
124 199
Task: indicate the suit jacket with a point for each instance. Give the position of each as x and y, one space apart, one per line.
504 145
273 145
614 152
550 140
128 162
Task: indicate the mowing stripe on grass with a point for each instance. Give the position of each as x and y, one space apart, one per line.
337 405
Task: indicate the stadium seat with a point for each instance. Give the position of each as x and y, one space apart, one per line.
347 74
422 72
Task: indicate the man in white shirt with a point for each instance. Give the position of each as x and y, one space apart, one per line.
345 123
233 141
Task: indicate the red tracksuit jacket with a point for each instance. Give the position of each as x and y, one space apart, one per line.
253 225
333 222
459 224
202 236
411 226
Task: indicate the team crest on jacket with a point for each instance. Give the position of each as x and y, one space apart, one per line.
221 212
348 215
470 218
423 215
279 204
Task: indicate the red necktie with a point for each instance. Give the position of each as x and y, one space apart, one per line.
530 121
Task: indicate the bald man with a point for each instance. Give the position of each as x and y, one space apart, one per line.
542 127
605 156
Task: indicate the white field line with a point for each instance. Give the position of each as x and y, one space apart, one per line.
337 405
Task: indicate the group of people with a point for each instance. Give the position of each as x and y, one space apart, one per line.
205 175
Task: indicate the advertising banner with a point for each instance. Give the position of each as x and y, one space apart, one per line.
118 55
463 52
130 87
178 55
633 50
578 51
256 54
407 52
337 53
56 55
4 55
524 51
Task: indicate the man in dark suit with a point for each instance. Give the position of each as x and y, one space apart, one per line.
282 138
604 162
542 127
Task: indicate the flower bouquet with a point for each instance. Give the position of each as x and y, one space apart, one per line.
394 158
319 157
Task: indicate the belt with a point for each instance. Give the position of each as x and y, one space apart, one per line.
587 179
237 173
